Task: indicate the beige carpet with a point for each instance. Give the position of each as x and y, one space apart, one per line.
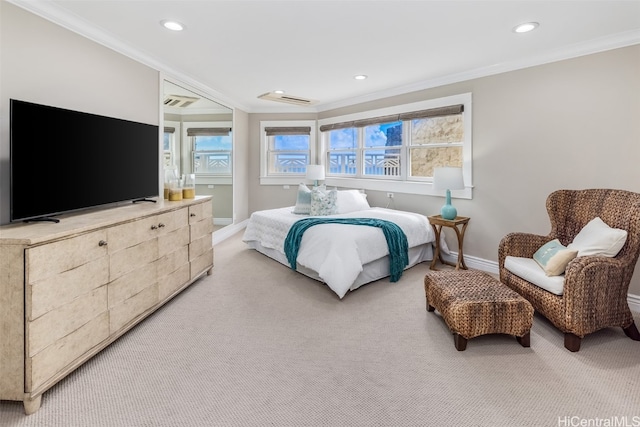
257 344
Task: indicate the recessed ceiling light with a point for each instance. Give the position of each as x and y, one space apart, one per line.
526 27
360 77
279 91
172 25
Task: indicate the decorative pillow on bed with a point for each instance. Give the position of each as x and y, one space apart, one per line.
303 201
553 257
597 238
323 201
351 201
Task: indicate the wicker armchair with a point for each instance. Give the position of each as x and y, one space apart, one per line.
595 287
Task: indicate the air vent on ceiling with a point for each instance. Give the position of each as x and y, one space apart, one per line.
279 97
179 100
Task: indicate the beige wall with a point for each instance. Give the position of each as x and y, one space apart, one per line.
44 63
570 124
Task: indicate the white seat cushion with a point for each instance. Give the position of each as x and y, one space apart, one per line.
529 270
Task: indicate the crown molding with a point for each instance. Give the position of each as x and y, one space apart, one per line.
615 41
57 15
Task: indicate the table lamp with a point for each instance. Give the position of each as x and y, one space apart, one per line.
448 179
315 173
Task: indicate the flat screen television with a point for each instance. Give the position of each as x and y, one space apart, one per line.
63 161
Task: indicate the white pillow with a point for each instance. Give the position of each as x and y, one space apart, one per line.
597 238
351 201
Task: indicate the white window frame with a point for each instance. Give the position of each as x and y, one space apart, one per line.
174 149
422 186
188 148
289 179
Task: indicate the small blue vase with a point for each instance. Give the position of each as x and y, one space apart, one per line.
448 211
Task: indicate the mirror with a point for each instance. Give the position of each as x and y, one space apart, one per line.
198 139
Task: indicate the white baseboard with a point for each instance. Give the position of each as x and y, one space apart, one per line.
634 302
228 231
492 268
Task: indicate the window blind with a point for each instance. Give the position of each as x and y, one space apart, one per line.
292 130
422 114
208 131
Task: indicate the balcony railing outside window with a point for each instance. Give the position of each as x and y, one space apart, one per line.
287 163
375 163
213 162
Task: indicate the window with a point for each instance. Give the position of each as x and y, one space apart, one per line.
435 141
375 156
379 159
170 143
211 153
342 152
397 149
167 144
287 148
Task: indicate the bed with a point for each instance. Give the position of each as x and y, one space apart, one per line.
343 256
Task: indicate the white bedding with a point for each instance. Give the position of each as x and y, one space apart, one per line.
338 253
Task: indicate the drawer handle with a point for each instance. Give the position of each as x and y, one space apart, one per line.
161 225
192 214
102 243
154 227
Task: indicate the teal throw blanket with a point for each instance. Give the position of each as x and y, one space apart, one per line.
396 240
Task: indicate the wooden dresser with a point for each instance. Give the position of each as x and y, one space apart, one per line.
69 289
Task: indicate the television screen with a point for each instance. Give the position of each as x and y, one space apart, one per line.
63 160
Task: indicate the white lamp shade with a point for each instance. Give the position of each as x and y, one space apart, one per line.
315 172
448 178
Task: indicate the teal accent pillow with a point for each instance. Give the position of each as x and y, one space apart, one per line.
554 257
303 200
323 202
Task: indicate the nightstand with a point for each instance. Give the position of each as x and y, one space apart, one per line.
437 222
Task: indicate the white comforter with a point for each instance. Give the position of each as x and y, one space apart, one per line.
337 252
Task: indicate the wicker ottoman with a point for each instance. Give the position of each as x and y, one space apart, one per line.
473 303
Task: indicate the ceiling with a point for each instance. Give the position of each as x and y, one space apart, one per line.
240 49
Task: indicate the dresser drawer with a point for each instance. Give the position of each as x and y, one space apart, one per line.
46 364
132 233
202 263
132 258
51 327
173 281
172 241
200 246
170 221
129 309
132 283
54 258
201 228
200 212
55 291
172 261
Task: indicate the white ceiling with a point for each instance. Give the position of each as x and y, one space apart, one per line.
240 49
